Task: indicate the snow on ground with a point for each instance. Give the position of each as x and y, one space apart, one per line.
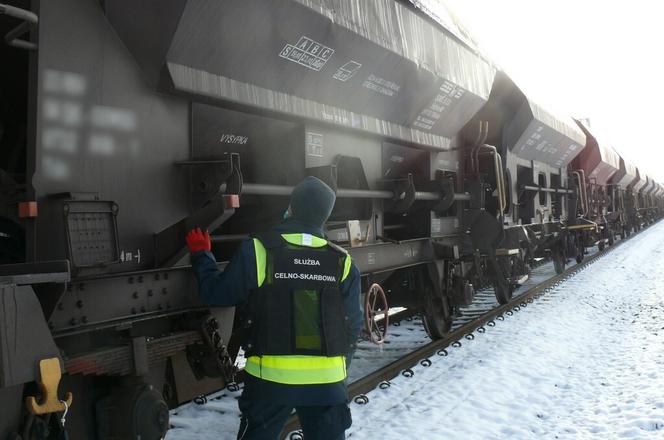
585 361
411 334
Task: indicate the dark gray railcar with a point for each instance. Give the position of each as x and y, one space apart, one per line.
135 121
521 158
622 198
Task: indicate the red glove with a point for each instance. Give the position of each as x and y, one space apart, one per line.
198 240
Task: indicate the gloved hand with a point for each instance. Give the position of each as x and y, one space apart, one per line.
198 240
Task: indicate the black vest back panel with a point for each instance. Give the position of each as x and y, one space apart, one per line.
299 308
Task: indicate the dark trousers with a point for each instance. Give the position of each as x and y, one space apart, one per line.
264 420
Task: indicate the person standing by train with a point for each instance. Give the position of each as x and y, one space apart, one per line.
301 297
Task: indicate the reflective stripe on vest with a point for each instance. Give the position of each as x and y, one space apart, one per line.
296 370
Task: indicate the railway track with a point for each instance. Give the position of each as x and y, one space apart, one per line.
482 313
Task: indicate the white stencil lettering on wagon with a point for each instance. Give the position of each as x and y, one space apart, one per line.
233 139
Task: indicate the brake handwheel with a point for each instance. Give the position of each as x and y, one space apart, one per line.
375 302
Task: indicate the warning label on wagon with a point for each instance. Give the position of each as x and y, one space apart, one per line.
308 53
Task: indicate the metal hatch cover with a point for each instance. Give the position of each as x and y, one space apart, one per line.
441 13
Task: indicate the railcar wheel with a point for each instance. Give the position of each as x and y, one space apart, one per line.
559 261
134 411
375 302
503 292
600 246
579 258
501 286
437 317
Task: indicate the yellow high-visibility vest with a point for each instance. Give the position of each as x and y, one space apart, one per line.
296 369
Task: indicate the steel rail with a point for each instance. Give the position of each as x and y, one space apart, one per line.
390 371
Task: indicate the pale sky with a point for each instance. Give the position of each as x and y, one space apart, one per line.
587 58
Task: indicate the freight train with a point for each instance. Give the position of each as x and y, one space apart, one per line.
125 124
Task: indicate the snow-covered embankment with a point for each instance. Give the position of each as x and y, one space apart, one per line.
584 361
